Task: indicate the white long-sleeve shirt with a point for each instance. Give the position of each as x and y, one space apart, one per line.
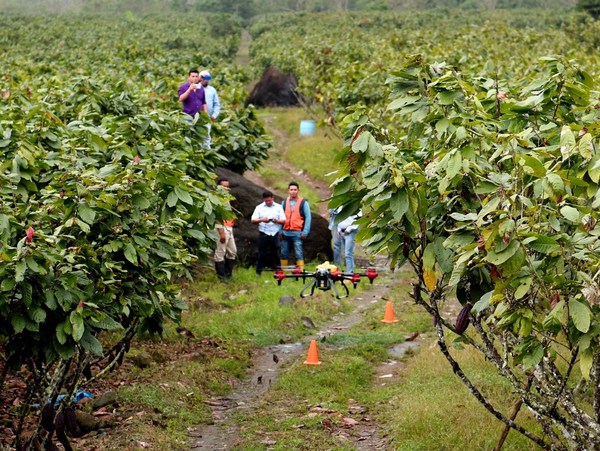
348 224
212 101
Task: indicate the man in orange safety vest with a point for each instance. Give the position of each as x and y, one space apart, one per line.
296 227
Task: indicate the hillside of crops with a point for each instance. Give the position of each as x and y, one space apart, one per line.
344 60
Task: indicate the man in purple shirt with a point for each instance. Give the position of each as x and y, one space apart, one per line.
191 94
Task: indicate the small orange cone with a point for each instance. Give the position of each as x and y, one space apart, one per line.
313 354
389 313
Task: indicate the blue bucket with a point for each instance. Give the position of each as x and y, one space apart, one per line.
307 128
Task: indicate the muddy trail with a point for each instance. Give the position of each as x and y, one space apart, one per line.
270 362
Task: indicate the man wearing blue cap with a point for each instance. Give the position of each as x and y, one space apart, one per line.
212 101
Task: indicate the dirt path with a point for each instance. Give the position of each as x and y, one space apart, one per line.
223 433
277 164
269 363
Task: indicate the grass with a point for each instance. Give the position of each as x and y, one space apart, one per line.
432 409
425 406
314 155
249 310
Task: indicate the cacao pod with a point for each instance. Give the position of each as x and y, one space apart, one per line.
463 319
47 417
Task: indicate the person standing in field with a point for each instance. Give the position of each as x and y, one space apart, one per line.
191 94
226 249
212 102
269 216
296 226
346 231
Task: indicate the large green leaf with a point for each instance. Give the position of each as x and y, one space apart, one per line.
580 314
544 244
497 258
86 213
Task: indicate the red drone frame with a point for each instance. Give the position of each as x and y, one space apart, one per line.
324 278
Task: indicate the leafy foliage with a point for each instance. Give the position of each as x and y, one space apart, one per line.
478 168
106 193
494 194
592 7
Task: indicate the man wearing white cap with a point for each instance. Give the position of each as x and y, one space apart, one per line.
212 101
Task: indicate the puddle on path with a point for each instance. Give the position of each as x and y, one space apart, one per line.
401 349
267 366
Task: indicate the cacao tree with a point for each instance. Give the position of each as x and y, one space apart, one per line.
99 216
489 189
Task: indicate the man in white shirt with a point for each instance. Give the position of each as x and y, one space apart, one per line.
269 216
347 230
212 102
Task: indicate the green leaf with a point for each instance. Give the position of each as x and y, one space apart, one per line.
33 266
580 314
172 199
65 351
567 141
37 314
184 196
429 257
140 202
556 182
61 336
27 294
20 268
523 288
514 264
594 168
85 228
7 284
91 344
465 218
130 253
454 164
86 213
570 213
361 144
399 204
4 227
78 326
533 356
18 323
586 360
106 323
497 258
532 164
544 244
483 302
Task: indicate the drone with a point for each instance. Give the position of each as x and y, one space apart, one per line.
324 278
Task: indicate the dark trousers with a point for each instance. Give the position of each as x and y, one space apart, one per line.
268 251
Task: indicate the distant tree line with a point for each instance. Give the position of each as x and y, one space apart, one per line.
249 8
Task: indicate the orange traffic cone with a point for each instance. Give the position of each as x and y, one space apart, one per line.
313 354
389 313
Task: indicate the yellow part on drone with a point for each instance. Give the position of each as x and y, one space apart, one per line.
330 266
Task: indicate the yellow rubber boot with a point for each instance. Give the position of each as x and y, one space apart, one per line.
300 264
284 263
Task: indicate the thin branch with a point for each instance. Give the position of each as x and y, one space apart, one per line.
479 396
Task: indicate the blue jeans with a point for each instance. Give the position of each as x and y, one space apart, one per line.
293 239
348 239
337 247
